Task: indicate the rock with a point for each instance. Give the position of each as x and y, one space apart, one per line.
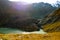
51 23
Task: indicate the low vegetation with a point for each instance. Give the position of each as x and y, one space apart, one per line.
49 36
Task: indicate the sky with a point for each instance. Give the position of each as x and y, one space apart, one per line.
35 1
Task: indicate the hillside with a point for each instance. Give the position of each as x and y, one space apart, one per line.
51 23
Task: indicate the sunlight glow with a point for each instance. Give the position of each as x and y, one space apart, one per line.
35 1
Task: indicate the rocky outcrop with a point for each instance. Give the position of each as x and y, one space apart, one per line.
51 23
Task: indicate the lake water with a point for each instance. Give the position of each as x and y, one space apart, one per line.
16 31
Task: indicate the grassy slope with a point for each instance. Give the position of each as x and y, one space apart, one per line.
53 26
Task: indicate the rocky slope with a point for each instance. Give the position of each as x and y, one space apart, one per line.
51 23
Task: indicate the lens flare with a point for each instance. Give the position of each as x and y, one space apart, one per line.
35 1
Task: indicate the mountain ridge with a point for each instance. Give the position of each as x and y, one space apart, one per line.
51 23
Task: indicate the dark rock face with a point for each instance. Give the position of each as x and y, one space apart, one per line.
19 19
28 25
10 20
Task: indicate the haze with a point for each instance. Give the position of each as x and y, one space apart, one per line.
35 1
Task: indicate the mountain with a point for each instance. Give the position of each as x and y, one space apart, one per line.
51 22
40 10
17 15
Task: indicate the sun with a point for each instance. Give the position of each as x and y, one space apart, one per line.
27 1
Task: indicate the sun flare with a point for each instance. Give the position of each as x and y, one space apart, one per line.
35 1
